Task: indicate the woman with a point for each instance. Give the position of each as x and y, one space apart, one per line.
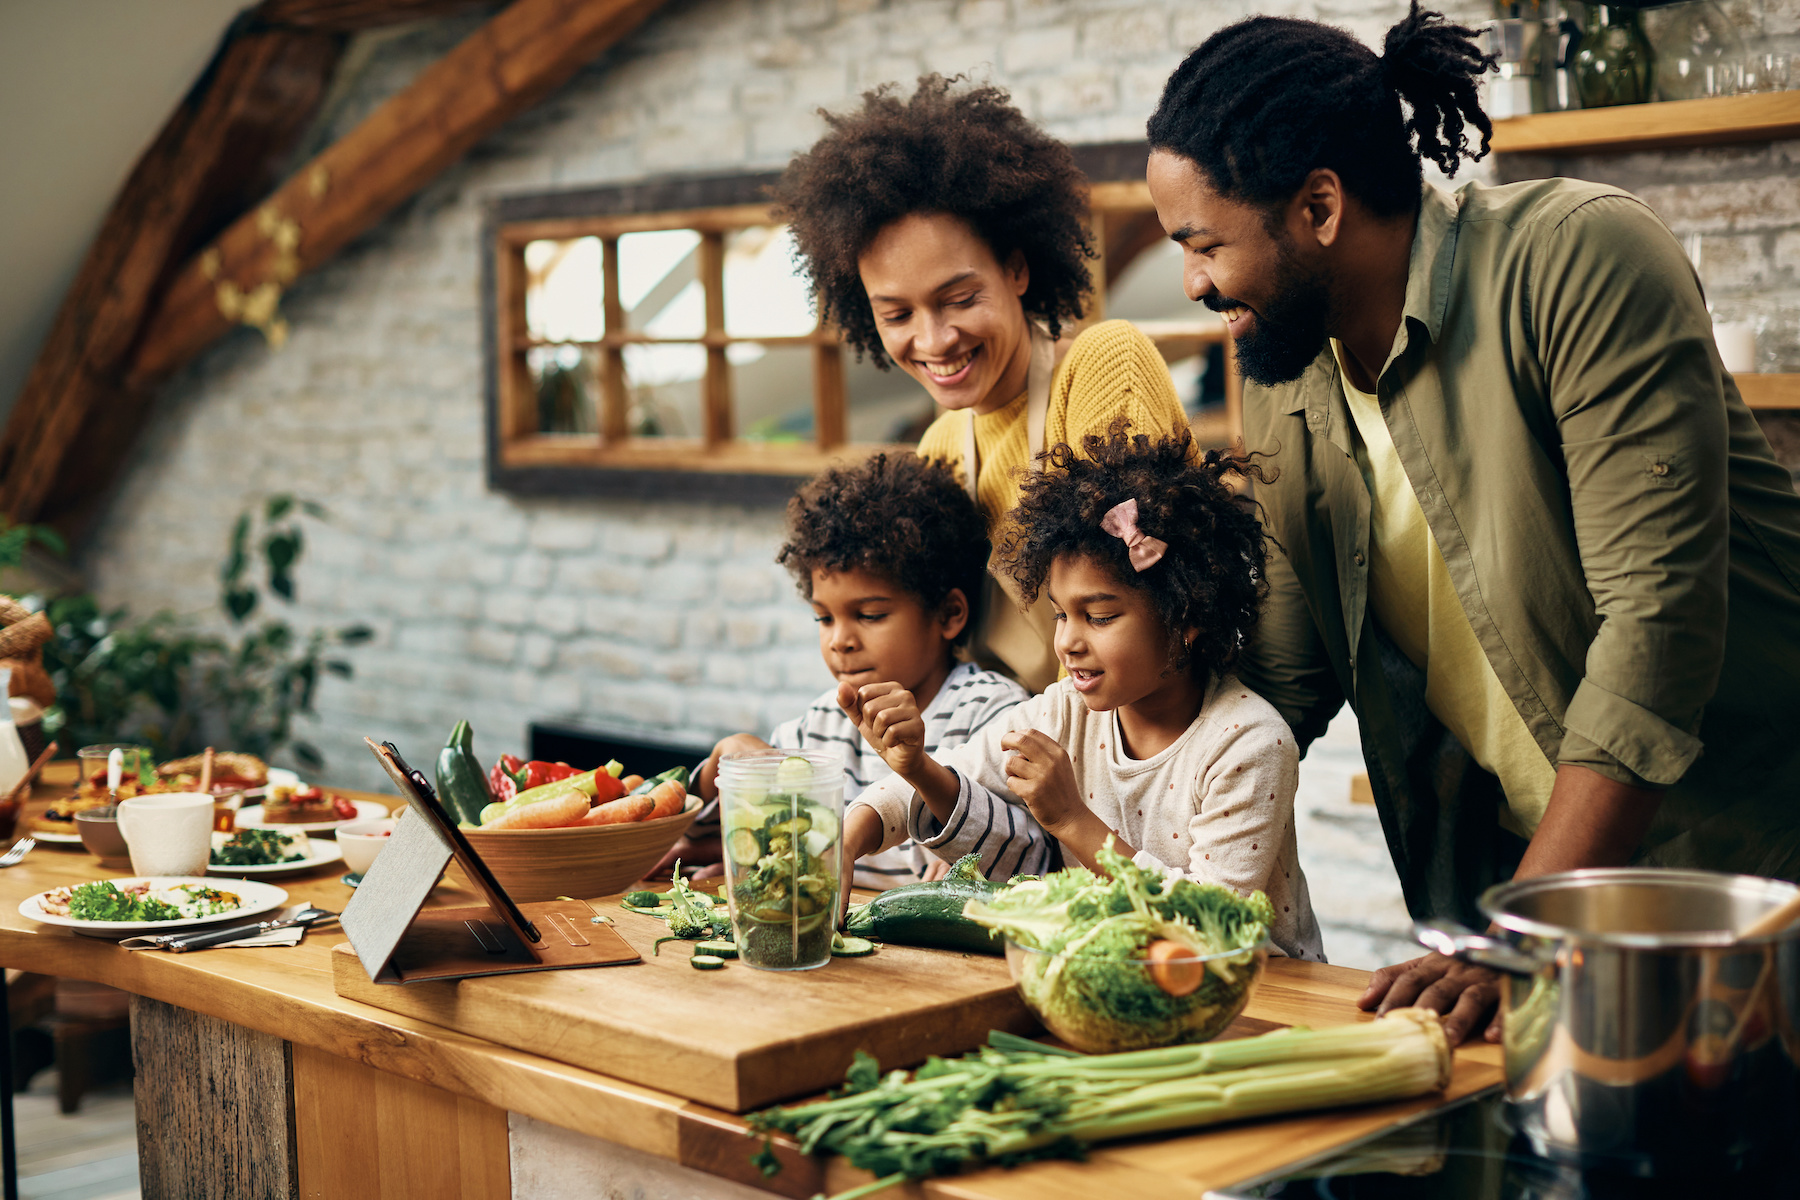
944 233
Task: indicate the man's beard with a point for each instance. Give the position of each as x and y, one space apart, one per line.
1290 333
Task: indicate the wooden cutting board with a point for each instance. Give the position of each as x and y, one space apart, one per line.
737 1038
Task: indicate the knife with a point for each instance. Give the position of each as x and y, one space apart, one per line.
303 915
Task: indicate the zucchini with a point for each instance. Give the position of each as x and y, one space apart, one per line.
706 962
723 947
678 774
930 914
461 783
851 947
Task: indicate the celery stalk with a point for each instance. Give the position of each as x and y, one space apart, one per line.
1010 1103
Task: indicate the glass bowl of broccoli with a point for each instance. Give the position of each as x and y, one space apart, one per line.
1131 959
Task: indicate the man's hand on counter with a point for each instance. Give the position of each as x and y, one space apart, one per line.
1591 821
1467 995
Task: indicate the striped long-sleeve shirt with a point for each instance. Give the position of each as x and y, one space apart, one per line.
969 700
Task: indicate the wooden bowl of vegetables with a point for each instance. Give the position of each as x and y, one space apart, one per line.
569 843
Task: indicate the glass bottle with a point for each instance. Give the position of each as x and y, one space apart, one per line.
1614 63
1695 46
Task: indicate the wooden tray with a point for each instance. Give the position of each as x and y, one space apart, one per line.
737 1039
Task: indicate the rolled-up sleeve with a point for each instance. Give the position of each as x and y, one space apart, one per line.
1638 395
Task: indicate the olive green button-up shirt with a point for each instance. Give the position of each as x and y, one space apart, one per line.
1622 540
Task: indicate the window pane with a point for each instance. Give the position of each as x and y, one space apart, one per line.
562 290
885 406
563 378
663 385
765 294
659 286
772 391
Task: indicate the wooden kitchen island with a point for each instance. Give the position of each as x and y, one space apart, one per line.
255 1079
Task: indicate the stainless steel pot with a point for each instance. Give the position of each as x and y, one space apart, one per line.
1638 1034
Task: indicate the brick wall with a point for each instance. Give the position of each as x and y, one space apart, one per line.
669 618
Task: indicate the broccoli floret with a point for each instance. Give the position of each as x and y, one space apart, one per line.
691 917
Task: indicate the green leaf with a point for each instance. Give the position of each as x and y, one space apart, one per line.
340 668
240 603
279 506
313 508
308 754
50 540
355 635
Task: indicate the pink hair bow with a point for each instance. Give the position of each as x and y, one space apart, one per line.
1144 551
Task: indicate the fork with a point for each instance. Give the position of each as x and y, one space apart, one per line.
20 849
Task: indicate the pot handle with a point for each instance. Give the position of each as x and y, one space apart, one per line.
1460 942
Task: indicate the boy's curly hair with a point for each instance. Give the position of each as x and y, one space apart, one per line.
966 152
898 516
1211 578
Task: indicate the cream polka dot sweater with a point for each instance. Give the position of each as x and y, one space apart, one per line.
1217 805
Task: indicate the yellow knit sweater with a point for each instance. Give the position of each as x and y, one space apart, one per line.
1111 370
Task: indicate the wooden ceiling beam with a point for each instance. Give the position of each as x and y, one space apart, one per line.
350 16
515 59
217 152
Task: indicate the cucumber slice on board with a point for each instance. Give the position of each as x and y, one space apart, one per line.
706 962
722 947
851 947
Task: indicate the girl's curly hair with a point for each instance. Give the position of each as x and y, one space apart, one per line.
966 152
898 516
1211 578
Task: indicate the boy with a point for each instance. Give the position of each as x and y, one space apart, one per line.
891 554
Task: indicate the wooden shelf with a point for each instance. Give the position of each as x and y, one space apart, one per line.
1714 121
1770 391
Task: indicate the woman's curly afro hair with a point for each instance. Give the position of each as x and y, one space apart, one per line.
898 516
963 151
1211 578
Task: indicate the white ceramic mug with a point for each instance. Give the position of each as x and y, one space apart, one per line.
169 833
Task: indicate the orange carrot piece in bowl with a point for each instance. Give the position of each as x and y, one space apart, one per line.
670 799
553 812
622 811
631 782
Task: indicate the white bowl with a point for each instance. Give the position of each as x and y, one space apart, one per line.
361 841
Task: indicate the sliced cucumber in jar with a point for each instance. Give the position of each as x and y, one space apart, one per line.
794 773
745 847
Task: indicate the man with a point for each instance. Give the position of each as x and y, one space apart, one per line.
1517 496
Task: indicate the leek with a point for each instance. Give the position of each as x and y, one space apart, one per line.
1015 1101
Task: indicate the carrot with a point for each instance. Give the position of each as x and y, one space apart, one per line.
619 812
553 812
1174 969
631 782
670 798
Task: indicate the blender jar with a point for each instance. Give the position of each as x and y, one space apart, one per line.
782 814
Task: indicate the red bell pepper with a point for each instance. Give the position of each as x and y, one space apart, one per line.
537 773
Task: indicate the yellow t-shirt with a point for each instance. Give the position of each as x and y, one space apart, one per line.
1111 370
1417 605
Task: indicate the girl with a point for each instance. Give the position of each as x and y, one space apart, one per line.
943 234
1153 570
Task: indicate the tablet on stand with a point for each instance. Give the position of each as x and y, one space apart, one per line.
399 940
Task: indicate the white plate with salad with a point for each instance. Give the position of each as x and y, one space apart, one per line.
150 904
268 852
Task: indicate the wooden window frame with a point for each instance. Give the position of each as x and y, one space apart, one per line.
718 466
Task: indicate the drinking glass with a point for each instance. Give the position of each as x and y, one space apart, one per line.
93 765
783 814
